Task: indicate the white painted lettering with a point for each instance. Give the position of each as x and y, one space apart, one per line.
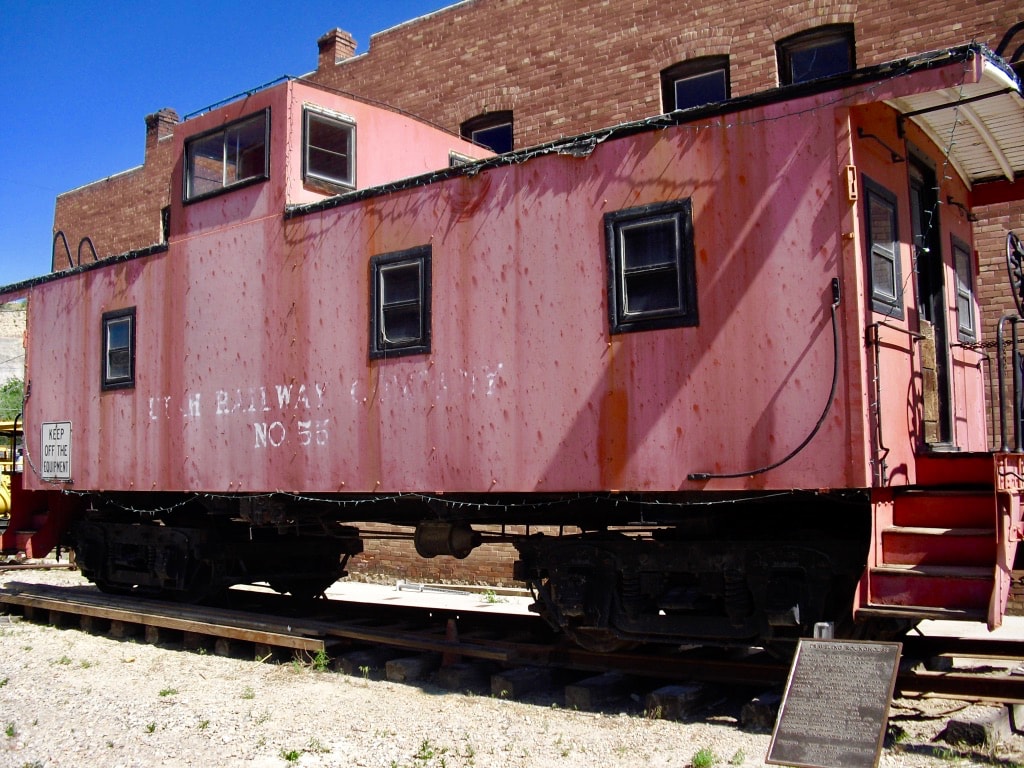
284 395
301 399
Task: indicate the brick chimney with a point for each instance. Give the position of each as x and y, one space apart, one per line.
159 125
337 45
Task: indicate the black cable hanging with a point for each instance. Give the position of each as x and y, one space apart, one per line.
821 419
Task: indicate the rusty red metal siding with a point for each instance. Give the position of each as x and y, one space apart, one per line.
253 366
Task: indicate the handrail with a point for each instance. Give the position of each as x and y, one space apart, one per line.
1014 320
874 339
86 241
67 249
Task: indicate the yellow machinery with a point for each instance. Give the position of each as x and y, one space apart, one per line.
10 445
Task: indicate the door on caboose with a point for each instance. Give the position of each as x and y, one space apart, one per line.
931 306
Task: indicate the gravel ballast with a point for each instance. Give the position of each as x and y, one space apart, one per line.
69 698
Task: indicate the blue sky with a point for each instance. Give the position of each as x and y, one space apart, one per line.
78 78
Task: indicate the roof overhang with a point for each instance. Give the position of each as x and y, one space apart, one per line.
978 123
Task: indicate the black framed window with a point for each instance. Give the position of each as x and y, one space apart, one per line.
651 270
816 53
491 129
234 155
694 83
882 238
400 320
963 266
119 349
328 149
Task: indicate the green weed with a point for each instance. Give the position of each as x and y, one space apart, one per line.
316 748
703 758
321 661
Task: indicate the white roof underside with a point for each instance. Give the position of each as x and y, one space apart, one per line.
983 137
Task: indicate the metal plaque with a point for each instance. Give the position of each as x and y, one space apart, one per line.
836 704
56 451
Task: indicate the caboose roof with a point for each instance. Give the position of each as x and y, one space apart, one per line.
979 123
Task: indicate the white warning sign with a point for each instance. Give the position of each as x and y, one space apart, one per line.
56 450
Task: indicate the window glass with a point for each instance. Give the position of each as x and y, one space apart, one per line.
964 291
652 273
883 247
329 149
401 303
492 130
119 349
227 157
650 267
695 82
816 53
401 293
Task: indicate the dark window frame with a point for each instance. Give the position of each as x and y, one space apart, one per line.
310 175
692 69
651 275
474 128
887 304
791 48
963 255
109 381
189 195
380 267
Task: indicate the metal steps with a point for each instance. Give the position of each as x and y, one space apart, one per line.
935 546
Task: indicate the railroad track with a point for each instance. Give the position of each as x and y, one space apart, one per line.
270 624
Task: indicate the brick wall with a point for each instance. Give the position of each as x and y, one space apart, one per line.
994 294
122 212
567 66
395 558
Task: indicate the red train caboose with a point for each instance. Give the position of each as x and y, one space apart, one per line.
735 347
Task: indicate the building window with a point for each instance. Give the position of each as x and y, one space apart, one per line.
694 83
963 264
119 349
492 130
884 249
400 322
651 271
329 149
229 157
815 53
